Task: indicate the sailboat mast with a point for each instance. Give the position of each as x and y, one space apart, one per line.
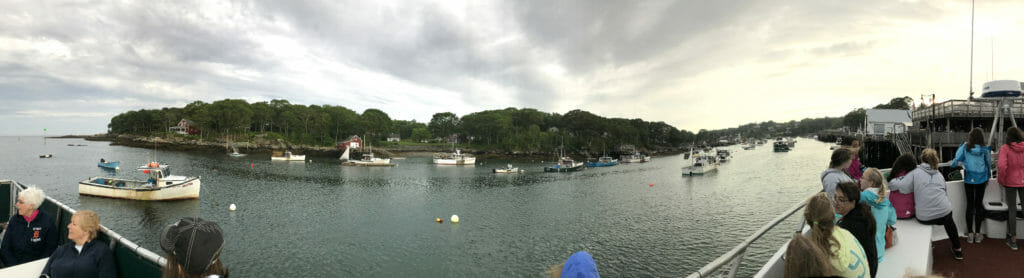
971 82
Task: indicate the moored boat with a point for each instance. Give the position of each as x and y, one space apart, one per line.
113 165
161 185
780 146
368 160
701 165
507 170
566 164
455 158
604 161
287 156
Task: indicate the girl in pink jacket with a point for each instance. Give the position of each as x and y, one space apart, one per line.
1011 177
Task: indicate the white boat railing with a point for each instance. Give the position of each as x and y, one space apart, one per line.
734 257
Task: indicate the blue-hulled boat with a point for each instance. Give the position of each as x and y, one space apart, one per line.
604 161
113 165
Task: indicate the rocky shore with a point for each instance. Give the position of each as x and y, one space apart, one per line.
268 146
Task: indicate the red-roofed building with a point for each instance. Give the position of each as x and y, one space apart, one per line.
185 127
354 142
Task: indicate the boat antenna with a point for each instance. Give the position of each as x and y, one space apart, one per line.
970 87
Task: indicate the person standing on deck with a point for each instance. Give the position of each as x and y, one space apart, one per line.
1011 176
31 234
931 203
836 172
976 159
855 167
857 218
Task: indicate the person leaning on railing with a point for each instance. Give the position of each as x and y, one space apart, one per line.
193 248
1011 176
31 234
83 256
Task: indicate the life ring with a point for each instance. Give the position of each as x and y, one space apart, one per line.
153 165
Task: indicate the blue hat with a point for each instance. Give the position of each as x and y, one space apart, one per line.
580 265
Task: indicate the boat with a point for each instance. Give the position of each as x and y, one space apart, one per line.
161 185
566 164
723 156
367 160
636 157
604 161
455 158
701 164
235 153
46 156
132 259
780 146
507 170
113 165
749 147
287 156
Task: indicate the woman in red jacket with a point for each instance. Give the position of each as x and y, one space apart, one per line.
1011 177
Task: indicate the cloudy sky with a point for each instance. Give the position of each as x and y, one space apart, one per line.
69 66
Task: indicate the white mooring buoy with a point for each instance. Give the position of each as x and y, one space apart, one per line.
231 207
455 219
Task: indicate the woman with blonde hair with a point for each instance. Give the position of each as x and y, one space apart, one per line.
806 259
931 203
876 196
31 234
844 253
83 256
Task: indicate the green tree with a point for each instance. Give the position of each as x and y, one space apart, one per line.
420 134
376 123
444 124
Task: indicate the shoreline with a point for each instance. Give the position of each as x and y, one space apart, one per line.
267 147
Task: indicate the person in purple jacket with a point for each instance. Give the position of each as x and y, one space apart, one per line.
84 256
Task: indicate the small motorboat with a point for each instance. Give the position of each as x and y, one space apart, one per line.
507 170
287 156
45 155
160 186
113 165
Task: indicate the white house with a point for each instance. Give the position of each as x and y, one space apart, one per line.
886 121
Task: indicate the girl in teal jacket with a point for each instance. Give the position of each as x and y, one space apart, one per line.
976 158
875 196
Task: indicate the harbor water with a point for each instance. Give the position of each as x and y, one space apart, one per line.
321 219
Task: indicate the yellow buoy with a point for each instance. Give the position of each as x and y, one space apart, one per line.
455 219
439 220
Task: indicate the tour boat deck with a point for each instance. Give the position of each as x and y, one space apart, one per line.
990 258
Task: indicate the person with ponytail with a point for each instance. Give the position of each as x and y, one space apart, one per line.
836 172
876 196
931 203
856 218
806 259
844 253
976 157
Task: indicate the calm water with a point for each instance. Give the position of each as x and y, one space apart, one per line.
325 220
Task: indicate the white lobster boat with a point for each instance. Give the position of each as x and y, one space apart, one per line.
287 156
456 158
161 186
368 160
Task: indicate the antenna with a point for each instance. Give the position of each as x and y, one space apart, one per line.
992 72
970 85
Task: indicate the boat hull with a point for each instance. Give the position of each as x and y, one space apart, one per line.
698 171
563 169
133 190
110 165
292 158
445 161
602 164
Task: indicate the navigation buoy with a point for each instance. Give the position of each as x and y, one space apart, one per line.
251 165
652 184
231 207
455 219
439 220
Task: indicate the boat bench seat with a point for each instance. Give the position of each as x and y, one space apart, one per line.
912 252
995 200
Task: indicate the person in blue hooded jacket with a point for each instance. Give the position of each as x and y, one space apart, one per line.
876 196
976 158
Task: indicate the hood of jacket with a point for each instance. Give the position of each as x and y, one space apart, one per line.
927 168
832 171
872 198
979 150
1017 147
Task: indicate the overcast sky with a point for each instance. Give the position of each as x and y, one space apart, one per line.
70 66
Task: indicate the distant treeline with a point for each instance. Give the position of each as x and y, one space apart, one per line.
509 129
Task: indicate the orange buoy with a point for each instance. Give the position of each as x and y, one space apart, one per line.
252 165
652 184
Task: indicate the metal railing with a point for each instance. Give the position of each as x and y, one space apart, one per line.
140 263
735 256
